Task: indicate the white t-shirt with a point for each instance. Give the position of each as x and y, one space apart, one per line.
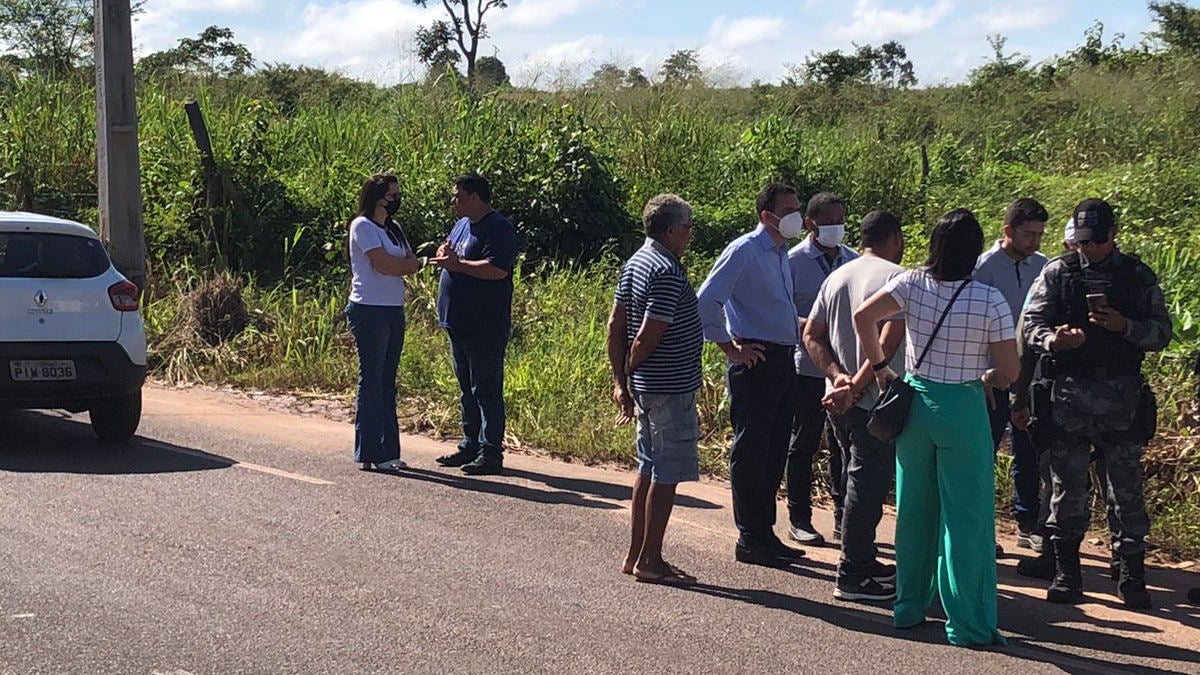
844 291
368 286
960 351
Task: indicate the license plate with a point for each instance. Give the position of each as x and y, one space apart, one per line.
41 371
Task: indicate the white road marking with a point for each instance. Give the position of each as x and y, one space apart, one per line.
22 616
243 465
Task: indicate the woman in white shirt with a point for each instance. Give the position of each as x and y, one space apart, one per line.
945 489
380 256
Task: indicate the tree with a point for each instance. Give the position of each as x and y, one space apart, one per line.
490 73
212 53
462 32
635 78
1002 66
682 69
1178 26
887 65
49 36
608 77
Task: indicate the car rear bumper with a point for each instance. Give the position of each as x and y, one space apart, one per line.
102 370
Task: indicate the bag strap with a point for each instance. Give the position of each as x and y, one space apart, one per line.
939 324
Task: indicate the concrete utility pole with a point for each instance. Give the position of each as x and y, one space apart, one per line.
119 171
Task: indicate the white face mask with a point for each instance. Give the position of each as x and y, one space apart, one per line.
791 225
831 235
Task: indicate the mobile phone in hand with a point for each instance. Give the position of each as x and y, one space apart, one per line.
1095 301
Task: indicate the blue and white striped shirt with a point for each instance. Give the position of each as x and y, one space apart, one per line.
654 285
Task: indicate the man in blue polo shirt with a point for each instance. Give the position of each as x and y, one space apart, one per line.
654 346
475 307
746 308
811 262
1011 266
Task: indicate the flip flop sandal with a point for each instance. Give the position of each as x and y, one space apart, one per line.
673 577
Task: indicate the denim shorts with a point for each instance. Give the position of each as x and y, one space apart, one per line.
667 432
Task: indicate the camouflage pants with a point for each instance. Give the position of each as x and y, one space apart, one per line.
1122 485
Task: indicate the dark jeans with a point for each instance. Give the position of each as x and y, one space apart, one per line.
379 338
1024 465
869 476
479 367
808 422
760 410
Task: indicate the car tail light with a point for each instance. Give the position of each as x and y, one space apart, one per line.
124 296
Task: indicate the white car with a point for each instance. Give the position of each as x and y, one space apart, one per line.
71 335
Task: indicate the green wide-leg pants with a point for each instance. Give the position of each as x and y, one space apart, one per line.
946 513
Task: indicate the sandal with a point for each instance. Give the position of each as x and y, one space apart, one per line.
672 577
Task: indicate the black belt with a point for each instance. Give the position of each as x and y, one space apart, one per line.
769 347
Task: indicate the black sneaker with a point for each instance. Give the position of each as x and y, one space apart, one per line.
460 458
883 573
867 589
484 466
759 556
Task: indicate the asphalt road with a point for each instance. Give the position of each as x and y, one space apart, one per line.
226 538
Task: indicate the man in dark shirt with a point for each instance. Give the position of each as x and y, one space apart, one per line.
475 307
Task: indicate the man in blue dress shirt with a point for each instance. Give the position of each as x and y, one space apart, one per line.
746 308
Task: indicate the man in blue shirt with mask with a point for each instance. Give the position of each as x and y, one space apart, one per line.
746 308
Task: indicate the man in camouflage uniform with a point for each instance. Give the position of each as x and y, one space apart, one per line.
1097 311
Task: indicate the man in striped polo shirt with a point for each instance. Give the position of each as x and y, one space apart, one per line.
654 345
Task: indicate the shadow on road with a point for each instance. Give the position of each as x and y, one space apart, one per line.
52 442
597 488
505 489
1039 635
1168 589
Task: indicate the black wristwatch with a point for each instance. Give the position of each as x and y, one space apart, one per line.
880 366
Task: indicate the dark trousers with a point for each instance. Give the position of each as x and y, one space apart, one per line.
808 423
379 339
869 473
1026 502
760 407
479 367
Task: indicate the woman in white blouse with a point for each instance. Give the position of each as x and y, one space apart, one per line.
379 256
945 491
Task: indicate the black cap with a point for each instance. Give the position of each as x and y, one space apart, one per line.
1094 220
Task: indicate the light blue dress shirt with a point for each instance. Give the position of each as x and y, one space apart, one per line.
748 293
810 267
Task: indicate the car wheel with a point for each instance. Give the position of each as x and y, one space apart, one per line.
116 418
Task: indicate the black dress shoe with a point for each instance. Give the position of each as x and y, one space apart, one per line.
457 458
484 466
787 552
759 556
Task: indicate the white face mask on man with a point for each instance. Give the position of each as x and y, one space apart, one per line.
831 235
791 225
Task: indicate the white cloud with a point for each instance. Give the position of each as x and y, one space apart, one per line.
559 64
538 13
1019 16
871 22
726 36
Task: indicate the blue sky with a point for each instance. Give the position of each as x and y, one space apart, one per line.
547 43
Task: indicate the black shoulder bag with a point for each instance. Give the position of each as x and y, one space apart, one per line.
890 413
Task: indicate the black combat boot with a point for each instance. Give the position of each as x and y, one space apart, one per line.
1132 584
1040 567
1067 587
